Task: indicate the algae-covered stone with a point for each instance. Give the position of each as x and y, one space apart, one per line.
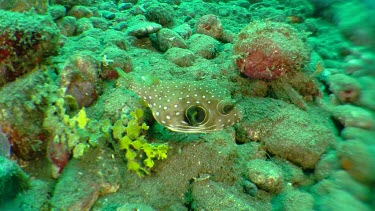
210 195
84 24
293 199
345 89
57 11
67 25
353 116
114 58
168 38
22 104
12 179
265 174
39 6
287 131
26 40
71 3
160 13
181 57
326 165
115 38
337 200
80 12
203 45
358 160
90 176
209 25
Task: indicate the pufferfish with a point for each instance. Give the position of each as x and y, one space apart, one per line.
189 107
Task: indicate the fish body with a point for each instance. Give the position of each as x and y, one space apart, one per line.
189 107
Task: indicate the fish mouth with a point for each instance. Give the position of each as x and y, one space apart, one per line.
192 129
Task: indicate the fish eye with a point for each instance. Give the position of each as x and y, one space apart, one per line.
224 107
195 115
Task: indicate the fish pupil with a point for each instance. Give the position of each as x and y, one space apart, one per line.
195 115
227 109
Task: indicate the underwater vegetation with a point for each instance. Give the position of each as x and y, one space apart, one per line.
133 143
187 105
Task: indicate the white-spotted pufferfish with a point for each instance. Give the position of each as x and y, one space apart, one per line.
189 107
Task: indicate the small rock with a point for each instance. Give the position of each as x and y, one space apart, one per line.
34 198
108 15
187 18
368 92
168 39
57 11
340 200
80 12
80 75
114 58
294 200
184 30
209 25
250 188
269 121
265 174
67 25
352 116
160 13
109 6
203 45
131 206
138 10
227 36
345 181
181 57
353 66
210 195
5 146
358 160
100 23
120 26
26 40
37 6
292 174
345 88
12 179
326 165
85 43
124 6
83 25
354 133
90 177
115 38
70 3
